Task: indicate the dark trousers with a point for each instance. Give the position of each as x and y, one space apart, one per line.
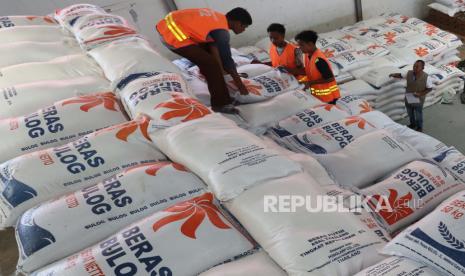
415 114
213 72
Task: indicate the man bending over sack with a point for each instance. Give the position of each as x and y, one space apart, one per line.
202 36
321 81
284 54
418 85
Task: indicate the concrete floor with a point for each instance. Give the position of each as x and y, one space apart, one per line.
8 253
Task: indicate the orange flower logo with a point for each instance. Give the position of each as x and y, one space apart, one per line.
431 29
90 101
421 52
361 123
399 207
390 37
153 168
374 46
47 19
348 37
188 108
113 31
327 107
328 53
252 88
195 211
390 21
404 18
129 128
365 106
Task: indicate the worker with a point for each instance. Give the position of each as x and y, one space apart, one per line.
321 81
282 53
418 85
202 36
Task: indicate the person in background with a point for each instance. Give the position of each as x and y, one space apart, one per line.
282 53
321 81
418 85
202 36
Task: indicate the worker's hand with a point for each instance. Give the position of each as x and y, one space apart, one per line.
307 86
243 89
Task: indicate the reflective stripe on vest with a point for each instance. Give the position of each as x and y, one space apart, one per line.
175 30
323 92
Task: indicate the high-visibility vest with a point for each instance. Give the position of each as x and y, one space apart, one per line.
190 26
326 92
287 58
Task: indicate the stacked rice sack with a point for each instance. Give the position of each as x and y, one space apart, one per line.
449 7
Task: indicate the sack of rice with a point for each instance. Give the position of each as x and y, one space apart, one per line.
113 204
33 178
184 239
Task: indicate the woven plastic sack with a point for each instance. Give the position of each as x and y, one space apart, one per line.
255 53
307 119
68 15
254 70
453 161
58 124
229 159
437 239
395 266
367 159
47 232
202 235
26 20
33 33
353 105
412 191
33 178
23 99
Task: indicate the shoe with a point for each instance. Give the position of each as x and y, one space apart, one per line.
412 127
227 109
419 129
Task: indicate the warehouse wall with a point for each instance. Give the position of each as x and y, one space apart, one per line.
295 14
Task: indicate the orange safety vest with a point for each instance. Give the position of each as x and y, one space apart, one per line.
190 26
287 58
326 92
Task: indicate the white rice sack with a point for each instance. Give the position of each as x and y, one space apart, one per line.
380 103
184 239
424 51
23 99
448 72
115 203
378 119
183 63
228 158
264 86
411 192
58 124
65 67
330 137
437 239
380 76
353 105
67 16
357 88
452 61
303 242
26 20
309 164
33 178
122 58
198 88
336 48
256 264
451 3
33 33
179 108
275 109
449 39
393 35
307 119
255 53
96 30
254 70
142 92
453 161
426 145
367 159
392 106
27 51
356 59
395 266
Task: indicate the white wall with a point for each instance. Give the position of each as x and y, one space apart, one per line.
412 8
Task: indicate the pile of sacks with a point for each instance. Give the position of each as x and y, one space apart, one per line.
449 7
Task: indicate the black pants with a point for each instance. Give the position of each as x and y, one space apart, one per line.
213 72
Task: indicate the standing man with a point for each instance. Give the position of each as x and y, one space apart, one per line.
282 53
418 85
321 81
202 36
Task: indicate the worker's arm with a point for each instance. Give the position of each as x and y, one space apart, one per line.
299 70
325 71
222 52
